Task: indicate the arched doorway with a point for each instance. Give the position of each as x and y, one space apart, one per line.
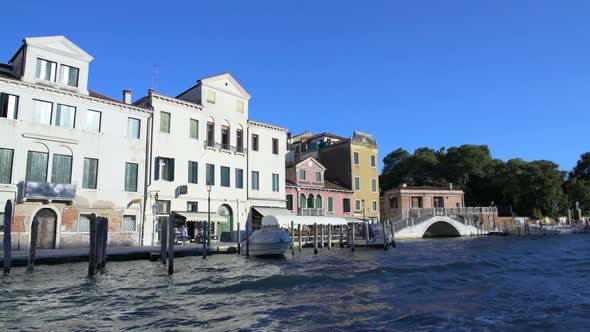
319 204
225 230
310 201
302 202
46 228
441 229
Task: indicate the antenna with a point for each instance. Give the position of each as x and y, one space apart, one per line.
155 77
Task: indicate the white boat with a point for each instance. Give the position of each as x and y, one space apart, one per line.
269 241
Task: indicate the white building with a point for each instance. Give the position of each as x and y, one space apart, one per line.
203 137
65 151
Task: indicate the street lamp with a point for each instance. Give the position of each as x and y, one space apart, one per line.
363 201
206 230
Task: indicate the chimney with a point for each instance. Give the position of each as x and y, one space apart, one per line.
127 96
450 186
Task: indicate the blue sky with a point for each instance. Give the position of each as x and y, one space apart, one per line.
514 75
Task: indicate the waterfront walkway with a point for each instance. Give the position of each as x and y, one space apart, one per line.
62 256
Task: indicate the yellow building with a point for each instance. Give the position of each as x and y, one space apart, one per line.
352 163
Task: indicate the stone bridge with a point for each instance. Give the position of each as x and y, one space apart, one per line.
454 222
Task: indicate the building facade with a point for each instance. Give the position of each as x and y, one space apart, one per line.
57 159
352 163
208 160
309 194
396 203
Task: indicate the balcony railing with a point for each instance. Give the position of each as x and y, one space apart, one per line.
312 212
46 191
226 147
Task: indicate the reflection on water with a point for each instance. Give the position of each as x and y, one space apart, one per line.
482 283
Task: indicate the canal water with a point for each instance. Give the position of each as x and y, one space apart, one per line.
449 284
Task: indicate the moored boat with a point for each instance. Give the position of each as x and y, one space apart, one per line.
269 241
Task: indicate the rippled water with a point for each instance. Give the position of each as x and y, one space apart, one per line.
451 284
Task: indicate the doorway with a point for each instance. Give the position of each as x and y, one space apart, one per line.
47 219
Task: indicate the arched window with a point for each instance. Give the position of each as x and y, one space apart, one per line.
225 128
302 201
310 201
318 202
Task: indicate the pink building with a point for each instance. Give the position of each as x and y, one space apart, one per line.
308 194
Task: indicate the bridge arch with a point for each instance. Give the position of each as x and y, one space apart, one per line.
441 228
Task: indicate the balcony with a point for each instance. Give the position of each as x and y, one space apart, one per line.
309 212
224 147
46 191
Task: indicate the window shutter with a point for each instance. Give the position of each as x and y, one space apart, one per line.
157 169
171 170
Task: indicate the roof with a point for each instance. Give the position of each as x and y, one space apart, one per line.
230 77
334 186
327 135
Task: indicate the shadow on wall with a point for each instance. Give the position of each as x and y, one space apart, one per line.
441 229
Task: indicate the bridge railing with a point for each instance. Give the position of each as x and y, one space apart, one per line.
463 215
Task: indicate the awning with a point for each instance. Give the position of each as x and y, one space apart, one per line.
273 211
353 219
285 220
200 217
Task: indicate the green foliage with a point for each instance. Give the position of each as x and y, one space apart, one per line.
537 188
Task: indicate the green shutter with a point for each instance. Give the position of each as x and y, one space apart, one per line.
331 204
194 129
165 122
318 202
130 177
6 156
171 169
37 166
302 201
61 170
90 173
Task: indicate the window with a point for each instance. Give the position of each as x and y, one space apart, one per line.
164 169
275 146
357 205
68 75
165 122
393 202
275 183
319 203
6 159
210 174
210 134
211 97
8 106
374 185
373 161
37 166
346 205
417 202
128 224
255 180
61 170
254 142
240 106
42 112
163 207
194 129
357 183
290 202
193 172
330 204
239 178
302 201
93 120
45 70
192 206
225 137
356 158
318 176
374 206
131 177
225 181
65 116
84 223
133 128
90 173
439 202
240 140
301 175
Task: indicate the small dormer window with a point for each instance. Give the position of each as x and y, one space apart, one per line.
46 70
68 75
211 97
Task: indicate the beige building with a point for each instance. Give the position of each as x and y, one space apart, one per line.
395 203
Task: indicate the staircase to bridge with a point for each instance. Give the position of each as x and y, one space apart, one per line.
441 222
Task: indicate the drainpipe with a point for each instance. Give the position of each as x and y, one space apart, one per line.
147 169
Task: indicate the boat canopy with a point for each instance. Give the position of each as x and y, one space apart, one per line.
285 220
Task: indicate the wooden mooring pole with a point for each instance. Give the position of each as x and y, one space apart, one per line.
392 234
99 242
385 236
351 240
7 240
367 233
205 240
329 237
105 241
300 235
163 240
315 238
33 248
247 239
171 239
292 238
239 245
92 247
